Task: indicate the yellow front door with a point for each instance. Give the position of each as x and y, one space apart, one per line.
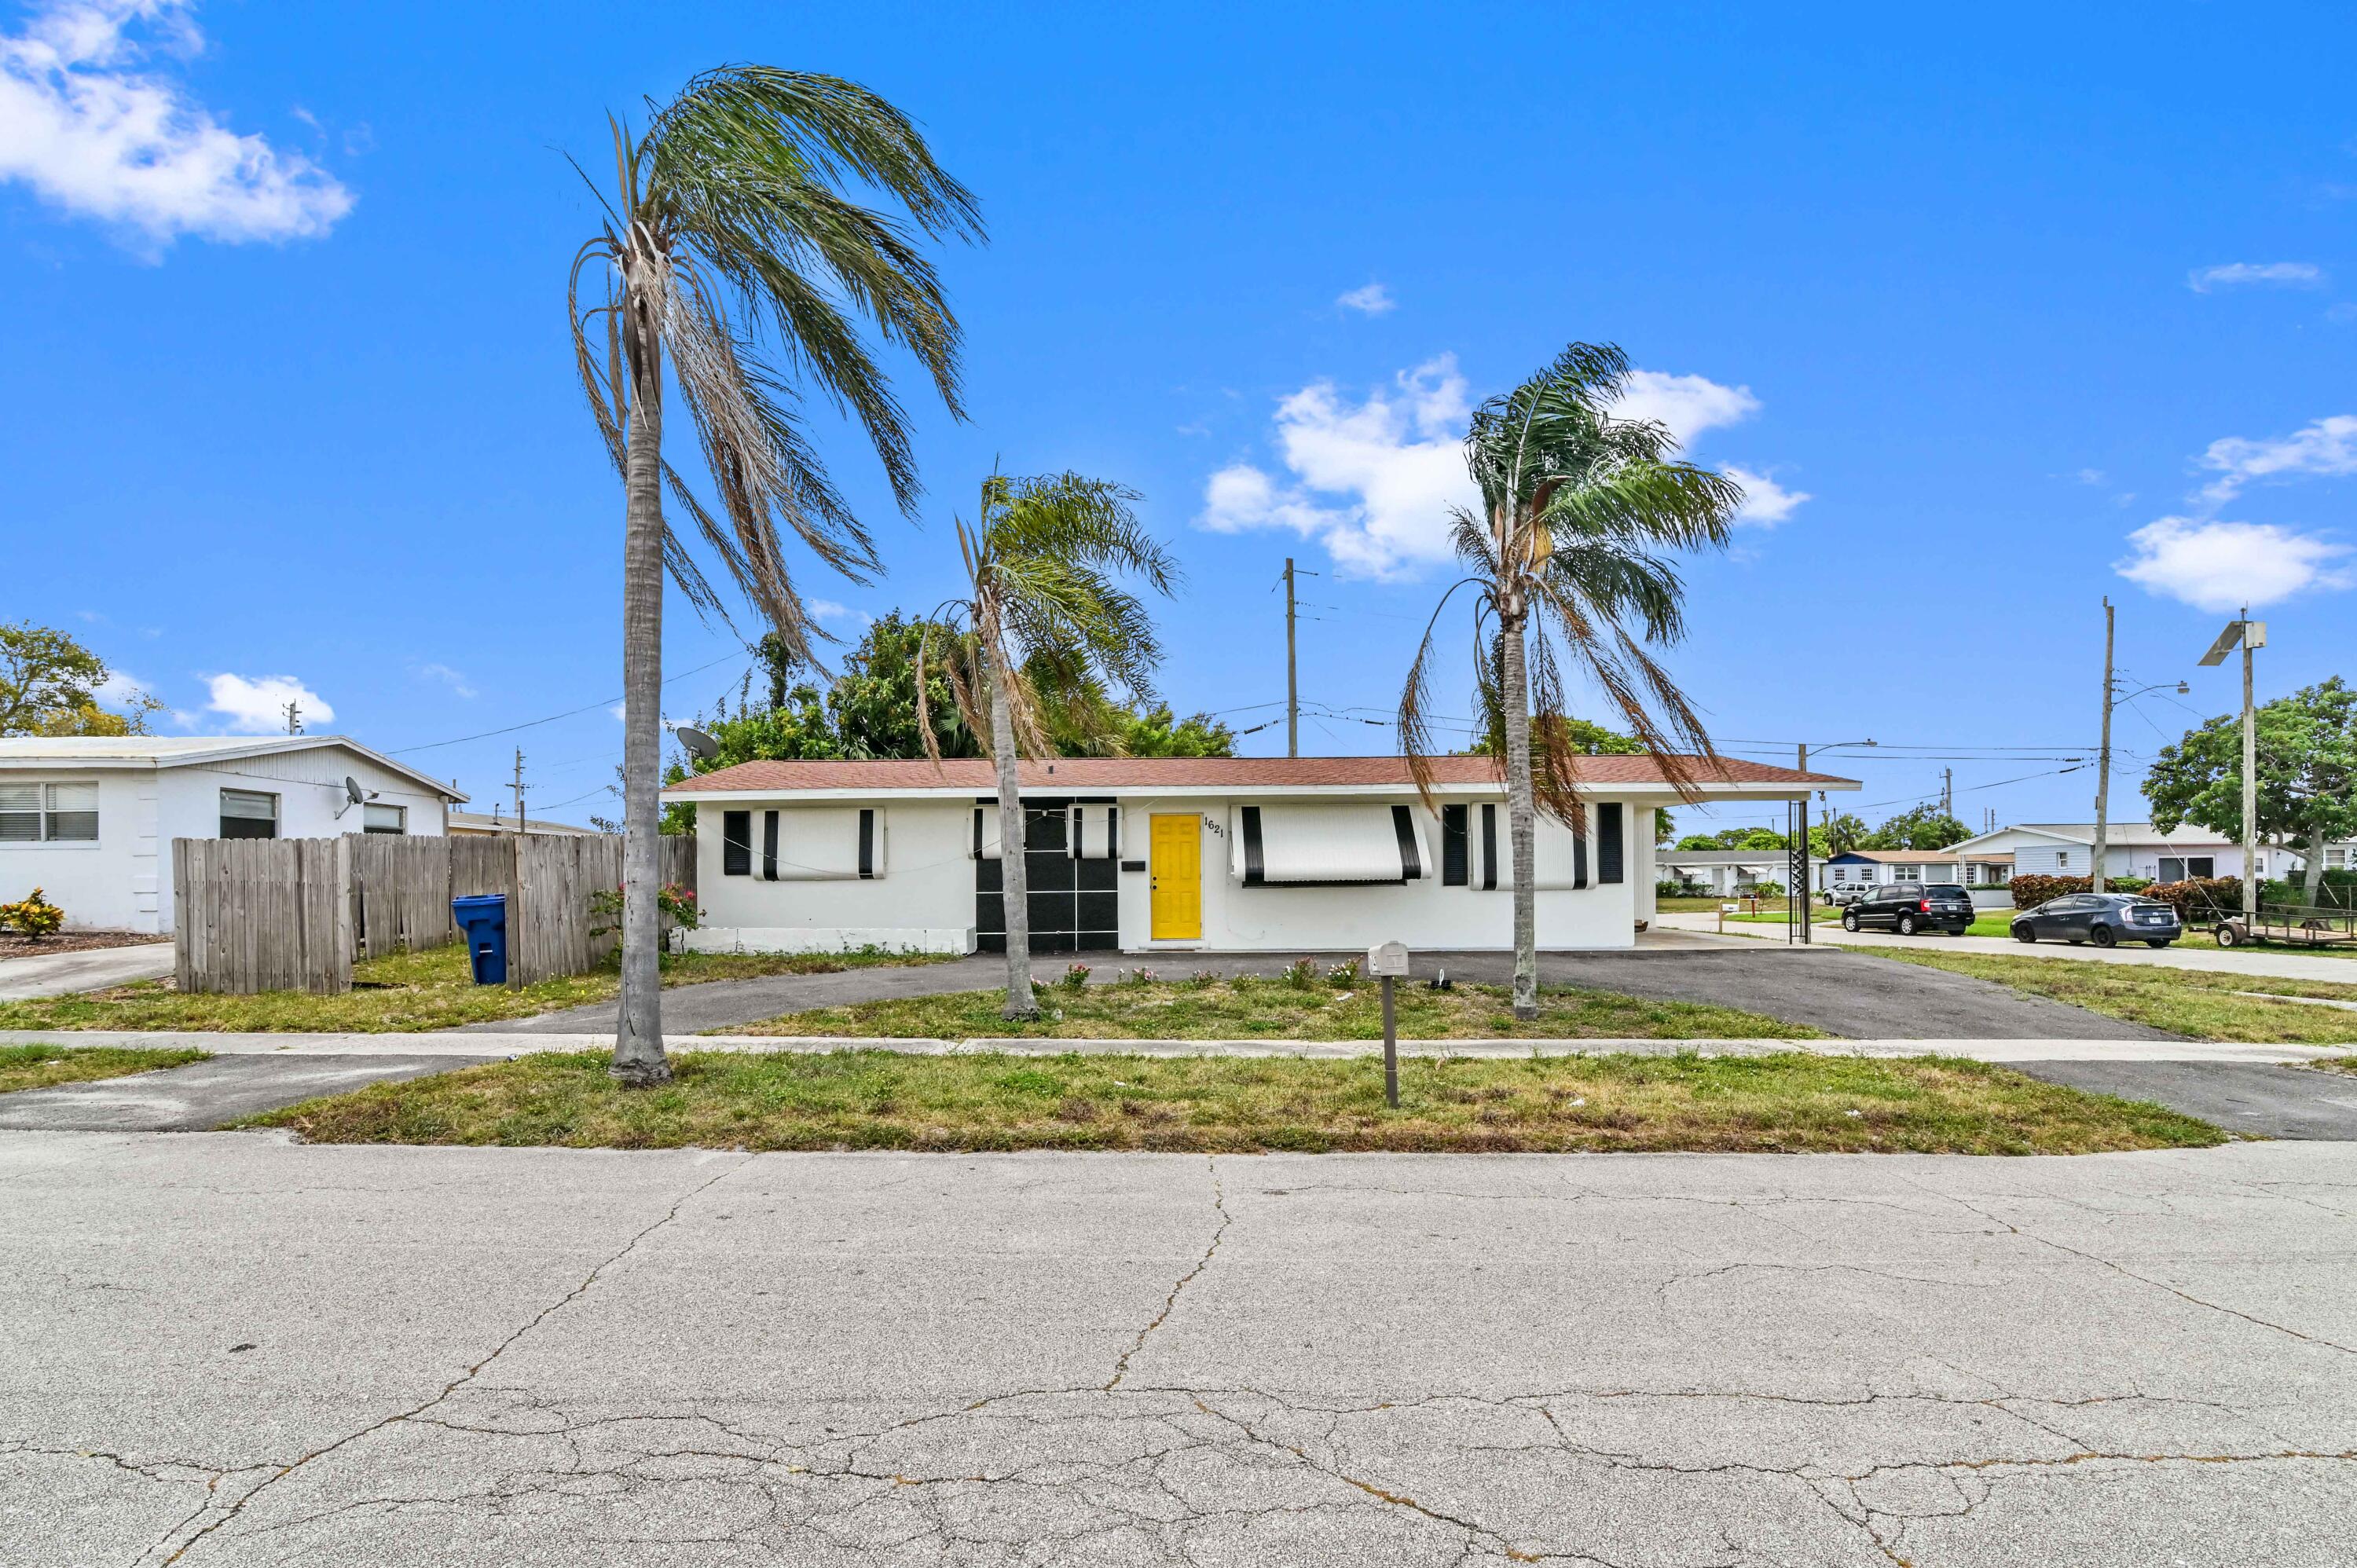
1178 878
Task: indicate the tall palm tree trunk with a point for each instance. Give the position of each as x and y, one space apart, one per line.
1015 885
638 1057
1521 815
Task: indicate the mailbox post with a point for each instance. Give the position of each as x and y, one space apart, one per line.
1387 961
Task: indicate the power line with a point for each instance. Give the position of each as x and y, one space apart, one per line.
569 712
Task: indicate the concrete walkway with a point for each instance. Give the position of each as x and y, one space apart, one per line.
2280 963
237 1350
61 974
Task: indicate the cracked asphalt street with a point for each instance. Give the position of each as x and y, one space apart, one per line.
231 1349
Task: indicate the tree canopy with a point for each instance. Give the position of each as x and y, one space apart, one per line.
2307 748
1918 827
49 685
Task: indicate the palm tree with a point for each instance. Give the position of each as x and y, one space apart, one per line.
1578 507
1042 629
726 226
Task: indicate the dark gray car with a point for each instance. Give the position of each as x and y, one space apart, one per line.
2103 918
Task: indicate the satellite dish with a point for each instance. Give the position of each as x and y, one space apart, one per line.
700 746
352 792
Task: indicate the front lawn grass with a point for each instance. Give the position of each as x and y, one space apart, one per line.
429 990
1262 1008
1790 1103
2189 1001
39 1065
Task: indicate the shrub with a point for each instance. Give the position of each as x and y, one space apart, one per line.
1076 975
2029 892
1139 976
1301 974
1345 973
34 917
2198 897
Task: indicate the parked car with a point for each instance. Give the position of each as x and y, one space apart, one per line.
1908 908
2103 918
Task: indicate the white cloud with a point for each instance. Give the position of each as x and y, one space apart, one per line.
258 706
2288 275
2222 566
457 682
829 611
1373 300
1373 481
619 710
1687 404
88 127
1765 502
2327 446
1396 455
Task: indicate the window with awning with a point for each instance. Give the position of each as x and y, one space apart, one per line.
1092 831
1310 846
809 843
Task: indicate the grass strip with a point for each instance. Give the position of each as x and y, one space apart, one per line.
1255 1007
40 1065
1789 1103
2193 1003
429 990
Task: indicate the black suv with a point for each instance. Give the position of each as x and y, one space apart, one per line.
1908 908
2103 918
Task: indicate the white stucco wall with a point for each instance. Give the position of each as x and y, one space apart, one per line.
123 880
926 899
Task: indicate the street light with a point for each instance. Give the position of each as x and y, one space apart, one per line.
1799 896
2253 635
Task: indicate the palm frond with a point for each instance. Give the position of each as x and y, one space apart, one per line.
1415 698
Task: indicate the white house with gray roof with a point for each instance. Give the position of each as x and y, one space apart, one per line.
90 821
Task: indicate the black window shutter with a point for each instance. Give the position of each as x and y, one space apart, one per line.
1579 851
736 844
1608 834
769 846
1490 848
1452 846
1254 866
866 843
1411 855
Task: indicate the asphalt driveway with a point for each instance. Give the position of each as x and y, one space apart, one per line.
1850 994
233 1350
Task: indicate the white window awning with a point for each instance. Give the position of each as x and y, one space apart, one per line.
821 844
1301 846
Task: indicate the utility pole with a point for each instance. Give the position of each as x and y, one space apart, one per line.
294 719
2253 635
2104 763
1799 898
1292 688
1947 792
519 791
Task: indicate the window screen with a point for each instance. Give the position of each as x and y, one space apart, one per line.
375 819
20 814
248 814
1453 846
1607 842
59 813
736 844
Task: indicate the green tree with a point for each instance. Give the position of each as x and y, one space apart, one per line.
49 685
1043 616
1838 835
1155 731
2307 794
1918 827
1578 513
727 227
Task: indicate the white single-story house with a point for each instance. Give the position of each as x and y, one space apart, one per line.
1176 855
1856 869
91 819
1728 872
2130 849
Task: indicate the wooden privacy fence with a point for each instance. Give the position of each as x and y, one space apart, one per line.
291 914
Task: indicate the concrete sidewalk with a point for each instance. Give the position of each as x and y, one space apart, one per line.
62 975
2280 963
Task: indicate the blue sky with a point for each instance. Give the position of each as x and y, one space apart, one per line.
1996 317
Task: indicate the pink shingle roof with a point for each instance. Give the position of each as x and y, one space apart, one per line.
1197 772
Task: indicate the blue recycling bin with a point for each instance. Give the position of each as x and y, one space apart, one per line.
484 922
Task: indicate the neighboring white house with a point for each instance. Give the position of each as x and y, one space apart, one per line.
2131 849
467 824
1856 869
1148 854
1730 871
91 820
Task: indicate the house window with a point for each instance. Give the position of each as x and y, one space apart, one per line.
2335 859
1455 871
1607 842
2201 865
736 844
2061 860
375 819
1906 874
49 813
248 814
